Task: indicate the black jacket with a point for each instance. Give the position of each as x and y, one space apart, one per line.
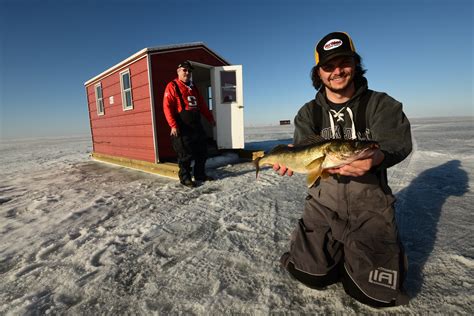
385 123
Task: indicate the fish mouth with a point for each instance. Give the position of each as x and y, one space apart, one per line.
367 152
370 146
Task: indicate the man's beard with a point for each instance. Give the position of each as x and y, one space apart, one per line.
343 88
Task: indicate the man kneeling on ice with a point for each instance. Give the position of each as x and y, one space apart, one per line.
348 231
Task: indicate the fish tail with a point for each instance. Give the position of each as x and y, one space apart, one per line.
256 156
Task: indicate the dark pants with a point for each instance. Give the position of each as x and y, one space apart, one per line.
189 147
361 250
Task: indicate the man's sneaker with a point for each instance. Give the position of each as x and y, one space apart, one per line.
188 183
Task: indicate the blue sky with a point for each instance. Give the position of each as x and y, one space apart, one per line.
419 52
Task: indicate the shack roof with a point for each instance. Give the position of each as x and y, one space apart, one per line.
149 50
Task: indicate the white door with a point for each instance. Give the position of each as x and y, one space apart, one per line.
228 106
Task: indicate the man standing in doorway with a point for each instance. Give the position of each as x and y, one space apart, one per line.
183 106
348 231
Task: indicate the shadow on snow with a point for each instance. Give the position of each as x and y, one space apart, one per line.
419 207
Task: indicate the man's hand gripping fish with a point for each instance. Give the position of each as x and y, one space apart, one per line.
315 156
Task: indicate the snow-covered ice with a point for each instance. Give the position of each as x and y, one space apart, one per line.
83 237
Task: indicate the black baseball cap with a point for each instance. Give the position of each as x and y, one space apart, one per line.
186 64
334 44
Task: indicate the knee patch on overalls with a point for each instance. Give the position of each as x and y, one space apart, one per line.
375 267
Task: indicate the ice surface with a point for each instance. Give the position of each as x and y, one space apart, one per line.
82 237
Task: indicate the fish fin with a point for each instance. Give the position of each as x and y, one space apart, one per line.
256 156
314 171
313 176
313 140
279 148
315 164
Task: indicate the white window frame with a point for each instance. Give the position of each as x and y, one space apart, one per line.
124 91
100 108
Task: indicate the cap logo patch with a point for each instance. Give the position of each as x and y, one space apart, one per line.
331 44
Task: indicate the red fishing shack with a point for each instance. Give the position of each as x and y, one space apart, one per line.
125 103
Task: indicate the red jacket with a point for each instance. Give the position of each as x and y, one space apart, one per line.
192 98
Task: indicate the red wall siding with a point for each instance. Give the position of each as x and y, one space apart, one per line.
163 71
118 132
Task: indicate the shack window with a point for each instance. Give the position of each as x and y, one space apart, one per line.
126 90
228 86
99 100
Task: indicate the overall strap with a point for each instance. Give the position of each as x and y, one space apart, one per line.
361 120
317 116
178 92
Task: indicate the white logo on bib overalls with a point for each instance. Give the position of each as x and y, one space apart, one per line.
384 277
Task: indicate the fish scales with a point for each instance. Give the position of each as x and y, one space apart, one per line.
296 158
314 158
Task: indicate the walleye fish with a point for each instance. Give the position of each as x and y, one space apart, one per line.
316 156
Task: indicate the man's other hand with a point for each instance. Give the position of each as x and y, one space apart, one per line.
360 167
174 131
281 169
